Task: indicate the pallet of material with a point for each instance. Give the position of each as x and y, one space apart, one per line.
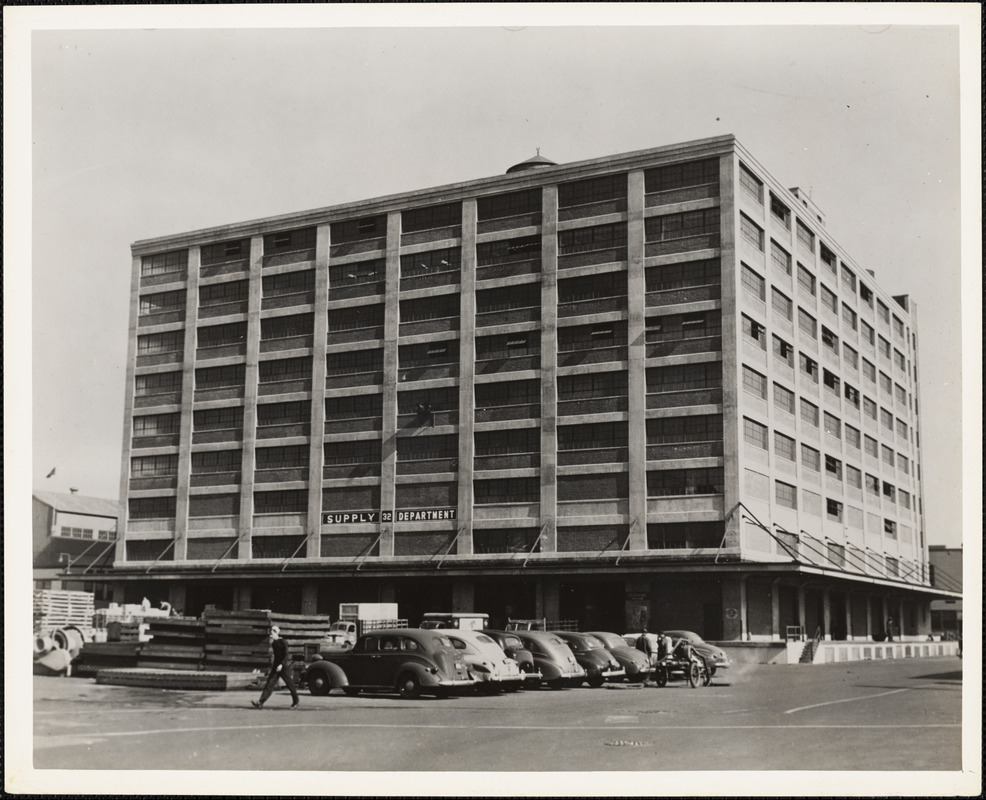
58 608
175 679
175 643
105 655
238 639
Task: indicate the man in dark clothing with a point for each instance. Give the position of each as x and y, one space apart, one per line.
280 669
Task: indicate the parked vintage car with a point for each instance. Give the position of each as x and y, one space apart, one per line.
488 665
715 657
554 659
515 649
599 664
635 663
409 661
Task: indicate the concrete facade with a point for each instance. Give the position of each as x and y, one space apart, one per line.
647 389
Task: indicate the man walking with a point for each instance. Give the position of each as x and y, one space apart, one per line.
280 669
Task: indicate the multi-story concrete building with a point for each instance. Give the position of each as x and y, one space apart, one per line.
945 570
649 388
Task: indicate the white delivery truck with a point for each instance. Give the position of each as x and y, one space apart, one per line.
357 618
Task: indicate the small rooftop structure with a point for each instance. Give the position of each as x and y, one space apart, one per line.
534 162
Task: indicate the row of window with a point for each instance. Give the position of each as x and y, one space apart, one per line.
753 187
786 495
72 532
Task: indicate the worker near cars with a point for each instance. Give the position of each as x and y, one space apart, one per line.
279 669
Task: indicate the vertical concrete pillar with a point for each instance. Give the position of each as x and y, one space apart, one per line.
849 634
388 454
463 596
467 372
869 618
176 596
775 610
900 618
120 552
551 597
242 596
729 266
549 369
732 611
637 362
245 549
180 549
317 435
387 592
309 597
827 614
802 614
636 600
743 610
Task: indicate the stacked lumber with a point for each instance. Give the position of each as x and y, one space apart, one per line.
173 679
122 631
176 643
96 656
237 640
59 608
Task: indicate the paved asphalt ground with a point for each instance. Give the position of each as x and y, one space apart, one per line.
877 715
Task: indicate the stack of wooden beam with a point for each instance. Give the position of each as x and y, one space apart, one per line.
176 643
237 640
59 608
96 656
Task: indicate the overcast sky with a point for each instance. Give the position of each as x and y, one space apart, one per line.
142 133
145 131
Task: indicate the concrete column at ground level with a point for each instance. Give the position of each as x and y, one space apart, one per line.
549 369
387 593
636 602
388 450
827 614
802 613
316 449
467 372
869 618
119 594
900 617
637 362
120 553
849 636
242 597
463 596
775 610
731 611
176 596
180 549
309 597
884 613
245 549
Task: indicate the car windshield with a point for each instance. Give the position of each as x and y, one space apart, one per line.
513 642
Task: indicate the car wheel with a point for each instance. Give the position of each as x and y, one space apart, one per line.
319 684
596 681
694 675
408 685
350 691
661 677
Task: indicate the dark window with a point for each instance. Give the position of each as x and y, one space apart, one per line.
289 283
355 362
506 298
156 343
424 219
286 327
292 413
217 294
751 184
681 176
353 406
359 451
286 369
157 383
291 501
592 436
591 287
426 308
504 442
162 302
780 211
591 337
224 252
598 237
682 225
215 461
425 448
445 398
499 206
685 481
356 318
430 263
157 425
289 241
682 377
220 377
355 230
288 457
508 251
218 419
698 428
358 272
164 263
153 466
152 508
689 273
222 335
673 327
751 232
595 384
592 190
506 490
507 393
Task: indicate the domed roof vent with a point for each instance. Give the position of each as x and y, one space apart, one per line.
535 162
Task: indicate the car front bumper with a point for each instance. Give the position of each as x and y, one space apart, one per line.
613 673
